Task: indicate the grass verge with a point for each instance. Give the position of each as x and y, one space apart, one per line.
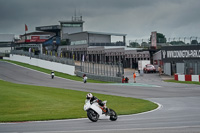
32 103
183 82
59 74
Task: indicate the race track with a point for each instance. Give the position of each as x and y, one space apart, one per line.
179 111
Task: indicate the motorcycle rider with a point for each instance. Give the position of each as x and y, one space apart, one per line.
52 74
84 78
92 99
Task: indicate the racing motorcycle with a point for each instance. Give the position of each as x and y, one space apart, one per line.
96 112
52 74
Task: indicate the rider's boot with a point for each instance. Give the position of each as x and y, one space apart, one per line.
107 111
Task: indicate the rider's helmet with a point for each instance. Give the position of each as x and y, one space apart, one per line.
89 96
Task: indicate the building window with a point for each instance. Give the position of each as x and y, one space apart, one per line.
78 42
71 25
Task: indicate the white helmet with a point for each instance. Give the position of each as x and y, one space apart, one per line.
89 96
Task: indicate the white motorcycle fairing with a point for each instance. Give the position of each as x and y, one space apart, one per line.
95 106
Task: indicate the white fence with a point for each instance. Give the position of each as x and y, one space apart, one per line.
68 69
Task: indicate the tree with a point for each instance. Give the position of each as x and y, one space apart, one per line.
194 42
145 45
160 38
177 43
134 44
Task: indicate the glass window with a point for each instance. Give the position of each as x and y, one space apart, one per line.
78 42
71 25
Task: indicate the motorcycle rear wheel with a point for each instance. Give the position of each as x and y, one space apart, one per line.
92 115
113 115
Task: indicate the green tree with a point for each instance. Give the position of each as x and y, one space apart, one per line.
160 38
145 45
134 44
177 43
194 42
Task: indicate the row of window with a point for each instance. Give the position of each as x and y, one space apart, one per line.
71 25
78 42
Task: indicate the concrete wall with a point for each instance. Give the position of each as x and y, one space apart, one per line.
78 36
94 38
44 64
71 30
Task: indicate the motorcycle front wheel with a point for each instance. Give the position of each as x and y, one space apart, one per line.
92 115
113 115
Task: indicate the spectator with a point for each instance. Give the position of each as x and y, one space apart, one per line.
134 76
126 80
159 70
123 79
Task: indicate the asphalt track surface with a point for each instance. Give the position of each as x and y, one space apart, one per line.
179 110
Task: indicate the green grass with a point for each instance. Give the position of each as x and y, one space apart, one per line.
59 74
183 82
32 103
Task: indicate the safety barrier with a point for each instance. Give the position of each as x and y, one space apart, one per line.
180 77
64 68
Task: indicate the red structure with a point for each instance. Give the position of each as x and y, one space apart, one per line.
179 77
35 37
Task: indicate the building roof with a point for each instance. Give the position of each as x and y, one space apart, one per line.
101 33
39 33
128 48
50 28
105 47
105 33
115 47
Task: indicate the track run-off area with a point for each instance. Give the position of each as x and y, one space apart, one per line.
178 111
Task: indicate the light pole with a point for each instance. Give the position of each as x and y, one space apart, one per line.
184 39
196 40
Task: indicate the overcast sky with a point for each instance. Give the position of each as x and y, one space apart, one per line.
136 18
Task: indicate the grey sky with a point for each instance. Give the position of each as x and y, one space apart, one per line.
136 18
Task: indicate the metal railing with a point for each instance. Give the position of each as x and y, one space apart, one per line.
107 44
192 67
105 69
104 72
